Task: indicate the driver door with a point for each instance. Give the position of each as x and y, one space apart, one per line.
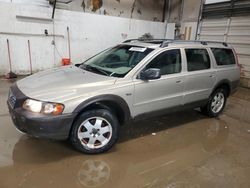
163 93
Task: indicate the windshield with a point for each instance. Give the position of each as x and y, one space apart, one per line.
117 61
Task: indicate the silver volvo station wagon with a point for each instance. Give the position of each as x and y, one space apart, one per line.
87 103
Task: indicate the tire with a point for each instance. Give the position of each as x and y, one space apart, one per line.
219 98
94 131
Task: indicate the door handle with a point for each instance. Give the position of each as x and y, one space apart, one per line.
178 81
212 76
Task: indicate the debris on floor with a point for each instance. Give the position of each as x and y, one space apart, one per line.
10 75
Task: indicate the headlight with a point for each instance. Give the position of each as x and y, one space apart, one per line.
43 107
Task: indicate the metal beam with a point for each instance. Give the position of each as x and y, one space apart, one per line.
54 9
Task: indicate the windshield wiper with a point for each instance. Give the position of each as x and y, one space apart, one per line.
95 69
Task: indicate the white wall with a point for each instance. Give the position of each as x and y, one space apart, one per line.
139 9
89 34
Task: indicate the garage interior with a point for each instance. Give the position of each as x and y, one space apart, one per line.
182 149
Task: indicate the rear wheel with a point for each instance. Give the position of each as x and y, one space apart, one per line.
95 131
216 103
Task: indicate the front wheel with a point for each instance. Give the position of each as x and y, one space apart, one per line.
216 103
95 131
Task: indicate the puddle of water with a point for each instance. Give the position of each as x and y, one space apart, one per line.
187 150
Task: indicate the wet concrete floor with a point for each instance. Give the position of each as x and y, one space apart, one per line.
187 150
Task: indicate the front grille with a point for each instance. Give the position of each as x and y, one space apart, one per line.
12 99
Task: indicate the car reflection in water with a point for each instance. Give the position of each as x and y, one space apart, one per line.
93 173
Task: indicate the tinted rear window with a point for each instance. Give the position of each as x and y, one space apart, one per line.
197 59
223 56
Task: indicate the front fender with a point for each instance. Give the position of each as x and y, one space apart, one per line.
108 98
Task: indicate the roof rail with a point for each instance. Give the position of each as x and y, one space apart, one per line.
165 42
223 43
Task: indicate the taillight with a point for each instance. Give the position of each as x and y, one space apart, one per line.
236 59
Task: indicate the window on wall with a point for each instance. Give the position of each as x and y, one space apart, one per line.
197 59
169 62
223 56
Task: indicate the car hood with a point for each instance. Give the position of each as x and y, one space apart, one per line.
65 83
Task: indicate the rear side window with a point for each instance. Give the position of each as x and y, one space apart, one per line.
223 56
197 59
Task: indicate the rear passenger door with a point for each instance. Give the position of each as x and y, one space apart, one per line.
200 77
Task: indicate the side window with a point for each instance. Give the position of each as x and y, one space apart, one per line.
223 56
168 62
197 59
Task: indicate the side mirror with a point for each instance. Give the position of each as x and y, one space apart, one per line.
150 74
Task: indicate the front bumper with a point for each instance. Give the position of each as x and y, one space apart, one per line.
38 125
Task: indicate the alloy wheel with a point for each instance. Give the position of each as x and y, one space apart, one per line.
95 132
217 102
